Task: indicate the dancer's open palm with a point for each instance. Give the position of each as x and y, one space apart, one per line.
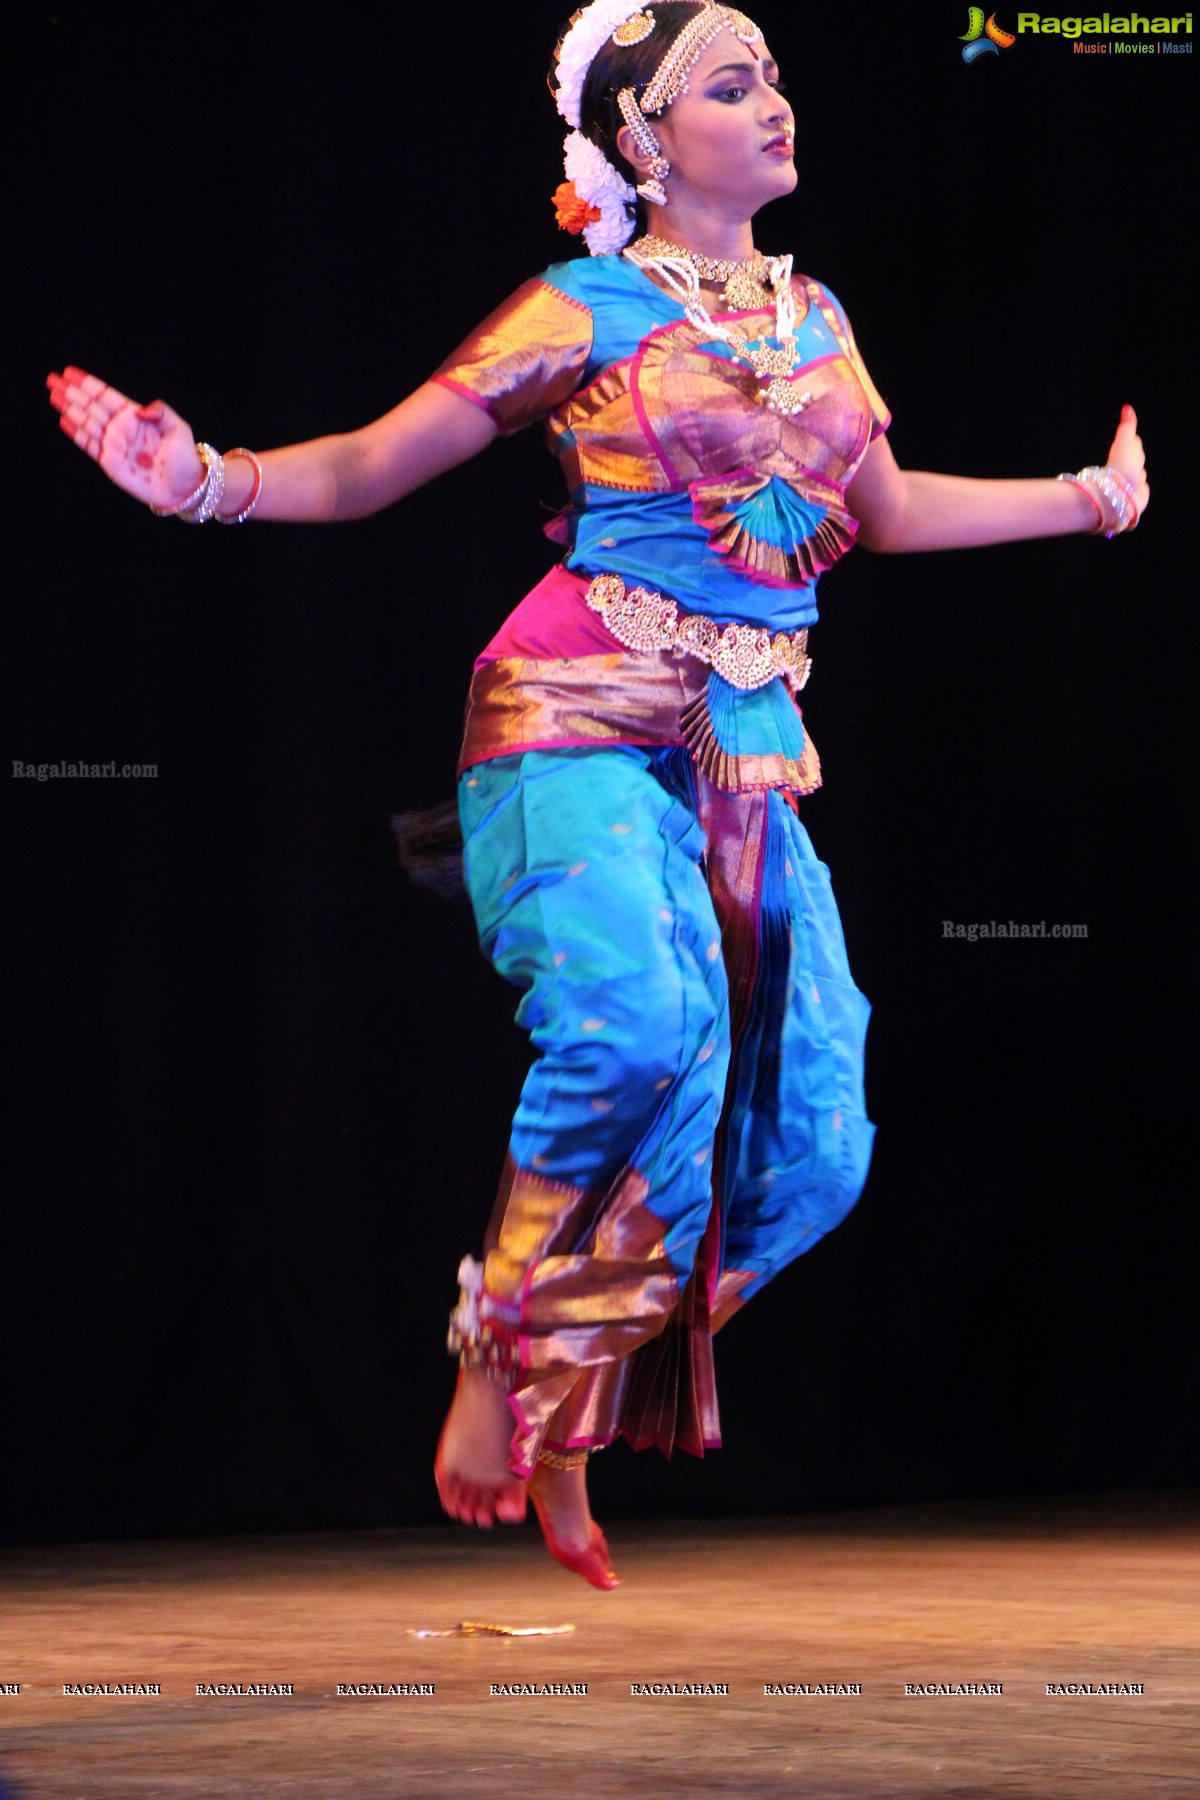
147 450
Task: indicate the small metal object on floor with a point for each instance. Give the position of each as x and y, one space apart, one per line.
471 1628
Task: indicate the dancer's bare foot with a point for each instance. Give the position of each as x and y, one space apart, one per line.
562 1499
473 1478
573 1538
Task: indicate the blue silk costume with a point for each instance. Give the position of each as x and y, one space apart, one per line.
695 1118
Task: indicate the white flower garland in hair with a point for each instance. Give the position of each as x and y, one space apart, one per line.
580 47
594 178
596 181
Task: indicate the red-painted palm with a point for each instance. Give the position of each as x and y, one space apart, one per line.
147 450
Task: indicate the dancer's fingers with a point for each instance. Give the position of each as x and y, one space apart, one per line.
86 407
456 1501
511 1504
87 391
463 1501
81 433
484 1511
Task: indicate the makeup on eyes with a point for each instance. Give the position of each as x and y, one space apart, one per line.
770 72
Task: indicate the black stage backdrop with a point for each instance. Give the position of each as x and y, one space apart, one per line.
260 1088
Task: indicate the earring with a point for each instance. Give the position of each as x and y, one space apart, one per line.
652 189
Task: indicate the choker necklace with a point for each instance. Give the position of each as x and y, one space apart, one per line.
680 270
744 281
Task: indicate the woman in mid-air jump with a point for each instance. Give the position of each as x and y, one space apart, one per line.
634 752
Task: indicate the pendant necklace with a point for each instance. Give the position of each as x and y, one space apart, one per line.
682 270
747 283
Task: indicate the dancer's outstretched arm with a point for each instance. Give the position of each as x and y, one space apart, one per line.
150 452
908 509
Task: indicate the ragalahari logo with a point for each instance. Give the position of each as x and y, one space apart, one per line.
981 39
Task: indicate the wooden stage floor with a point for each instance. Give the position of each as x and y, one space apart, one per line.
1102 1593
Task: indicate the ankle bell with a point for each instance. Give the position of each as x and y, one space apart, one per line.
479 1335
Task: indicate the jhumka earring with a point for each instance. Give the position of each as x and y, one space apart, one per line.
643 136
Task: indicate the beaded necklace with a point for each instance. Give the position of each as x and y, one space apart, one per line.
744 281
682 270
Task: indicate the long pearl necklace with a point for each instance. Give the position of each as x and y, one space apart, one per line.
682 270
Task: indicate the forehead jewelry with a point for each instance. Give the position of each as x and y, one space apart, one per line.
670 79
608 196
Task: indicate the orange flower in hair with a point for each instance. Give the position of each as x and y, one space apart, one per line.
570 212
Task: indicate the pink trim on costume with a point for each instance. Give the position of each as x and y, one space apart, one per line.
553 621
525 1350
760 577
457 387
757 576
652 1443
561 294
770 306
745 473
524 1337
544 743
602 1443
878 427
748 312
748 472
523 1470
803 469
643 419
826 356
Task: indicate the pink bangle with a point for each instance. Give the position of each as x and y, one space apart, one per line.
1112 494
1083 487
1124 482
240 518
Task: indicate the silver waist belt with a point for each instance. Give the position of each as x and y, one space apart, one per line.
746 656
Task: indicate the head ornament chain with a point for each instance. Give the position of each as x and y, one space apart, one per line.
603 199
670 79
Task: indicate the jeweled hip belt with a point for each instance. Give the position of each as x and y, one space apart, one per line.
746 656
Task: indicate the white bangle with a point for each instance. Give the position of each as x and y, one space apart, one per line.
214 487
197 496
1111 493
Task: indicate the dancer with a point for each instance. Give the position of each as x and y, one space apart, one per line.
634 752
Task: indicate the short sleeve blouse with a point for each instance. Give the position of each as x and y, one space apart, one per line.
679 477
